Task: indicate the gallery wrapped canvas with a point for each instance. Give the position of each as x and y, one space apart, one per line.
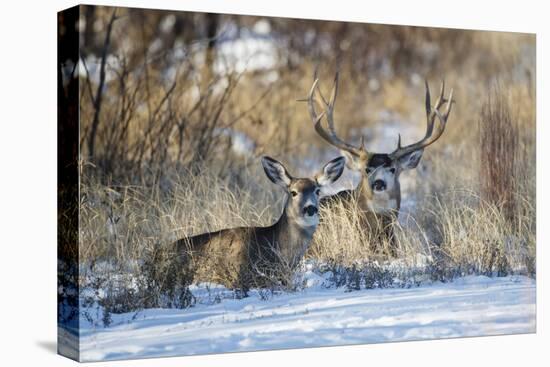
239 183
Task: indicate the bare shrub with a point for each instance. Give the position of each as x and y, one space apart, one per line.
498 152
477 237
130 232
160 163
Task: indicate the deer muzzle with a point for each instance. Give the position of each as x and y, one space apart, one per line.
310 210
379 185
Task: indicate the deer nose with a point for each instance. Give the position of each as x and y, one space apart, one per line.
310 210
379 185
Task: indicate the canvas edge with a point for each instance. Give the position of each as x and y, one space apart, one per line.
68 333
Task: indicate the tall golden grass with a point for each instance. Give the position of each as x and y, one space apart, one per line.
162 170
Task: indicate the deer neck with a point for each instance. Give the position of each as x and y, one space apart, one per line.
292 238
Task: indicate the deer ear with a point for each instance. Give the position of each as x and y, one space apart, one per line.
331 171
352 161
411 160
276 172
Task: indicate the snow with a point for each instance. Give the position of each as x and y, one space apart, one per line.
262 27
246 54
319 316
241 143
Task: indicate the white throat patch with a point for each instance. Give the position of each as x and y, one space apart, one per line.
308 221
382 203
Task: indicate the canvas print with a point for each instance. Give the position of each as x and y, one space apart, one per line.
234 183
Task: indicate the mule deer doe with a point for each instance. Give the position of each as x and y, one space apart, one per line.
378 194
254 256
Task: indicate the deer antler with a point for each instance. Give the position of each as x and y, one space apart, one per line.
330 136
431 114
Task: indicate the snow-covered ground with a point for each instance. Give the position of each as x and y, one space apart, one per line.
320 316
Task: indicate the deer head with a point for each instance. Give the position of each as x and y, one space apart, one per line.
380 171
302 206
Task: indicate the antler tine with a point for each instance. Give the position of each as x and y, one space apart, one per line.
311 100
399 141
329 106
311 108
431 114
334 91
330 136
441 99
428 100
440 130
449 105
443 118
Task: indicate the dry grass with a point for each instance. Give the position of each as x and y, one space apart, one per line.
125 239
163 171
499 145
476 235
122 222
341 239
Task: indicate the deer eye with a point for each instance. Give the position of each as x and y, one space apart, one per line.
294 193
392 170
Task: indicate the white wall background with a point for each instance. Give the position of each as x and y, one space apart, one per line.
28 180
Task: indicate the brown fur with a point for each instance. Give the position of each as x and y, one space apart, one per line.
376 216
382 169
245 257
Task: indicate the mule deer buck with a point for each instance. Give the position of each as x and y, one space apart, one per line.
378 194
240 258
